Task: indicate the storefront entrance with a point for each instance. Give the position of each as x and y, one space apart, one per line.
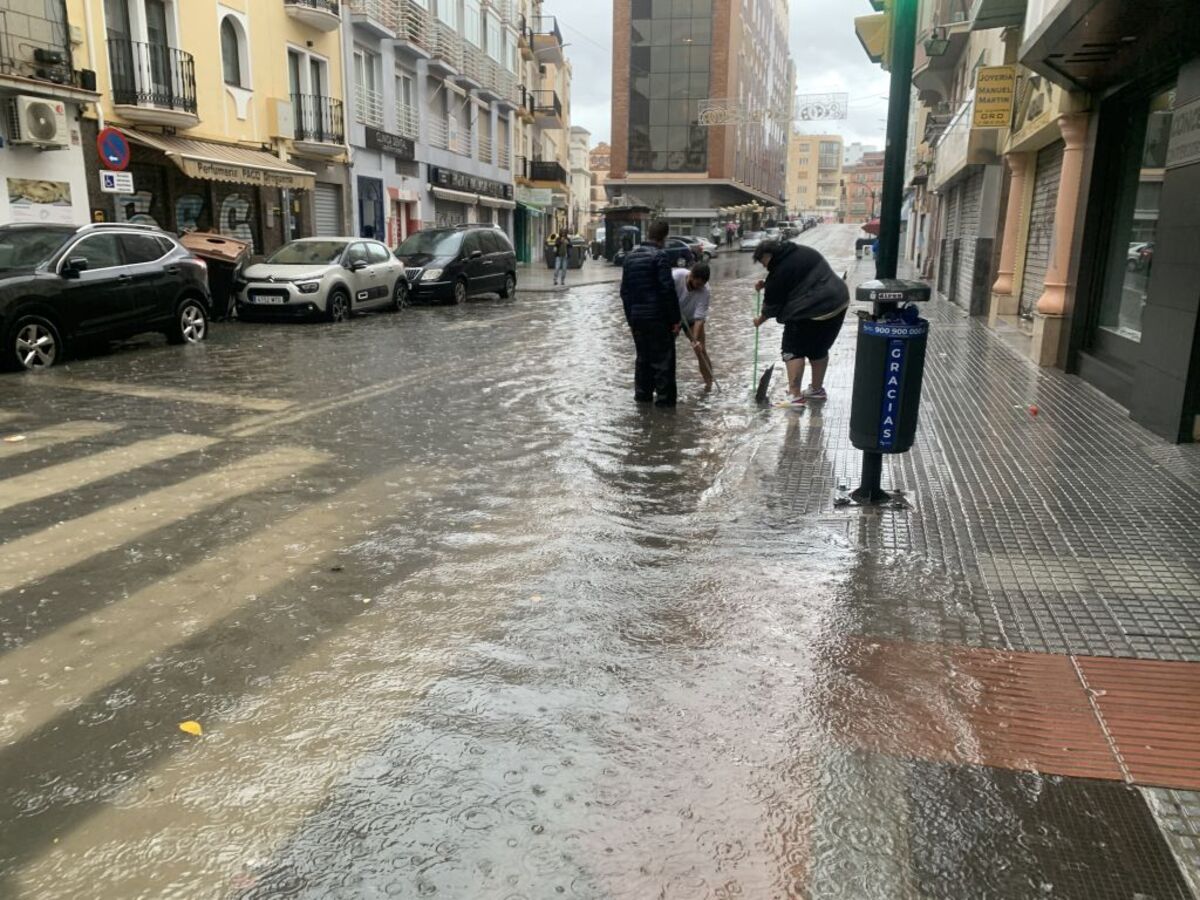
370 208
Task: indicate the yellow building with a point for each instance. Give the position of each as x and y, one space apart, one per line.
814 175
232 109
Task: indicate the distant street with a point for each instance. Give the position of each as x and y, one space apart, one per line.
457 618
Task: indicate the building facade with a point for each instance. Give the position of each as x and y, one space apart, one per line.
1067 216
862 184
599 161
432 98
43 92
233 110
815 176
702 106
855 150
581 180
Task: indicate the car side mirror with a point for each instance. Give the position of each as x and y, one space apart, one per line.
74 266
358 265
476 254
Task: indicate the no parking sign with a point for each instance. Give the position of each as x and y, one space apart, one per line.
113 149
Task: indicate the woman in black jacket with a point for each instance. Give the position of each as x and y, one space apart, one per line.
805 295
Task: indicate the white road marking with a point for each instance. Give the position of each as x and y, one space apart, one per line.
52 435
190 397
31 558
75 474
58 671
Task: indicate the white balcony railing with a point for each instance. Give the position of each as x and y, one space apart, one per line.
447 46
385 12
474 64
408 122
485 149
439 133
416 26
503 157
369 105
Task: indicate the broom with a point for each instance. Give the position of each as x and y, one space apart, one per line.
764 383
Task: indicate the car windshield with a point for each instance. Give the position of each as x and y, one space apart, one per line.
308 253
28 247
754 235
432 243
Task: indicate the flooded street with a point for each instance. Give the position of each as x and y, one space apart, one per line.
458 619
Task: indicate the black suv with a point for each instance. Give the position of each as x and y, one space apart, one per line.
448 265
62 283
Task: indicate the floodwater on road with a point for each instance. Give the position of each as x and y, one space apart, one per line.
457 618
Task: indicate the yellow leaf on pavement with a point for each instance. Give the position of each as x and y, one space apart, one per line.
191 727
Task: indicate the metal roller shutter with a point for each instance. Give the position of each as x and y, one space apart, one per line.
1047 175
949 236
972 200
327 210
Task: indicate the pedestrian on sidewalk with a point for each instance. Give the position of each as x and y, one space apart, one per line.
805 295
730 231
652 311
562 249
691 285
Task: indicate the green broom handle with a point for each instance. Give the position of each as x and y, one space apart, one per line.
757 312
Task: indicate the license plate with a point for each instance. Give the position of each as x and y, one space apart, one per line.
272 301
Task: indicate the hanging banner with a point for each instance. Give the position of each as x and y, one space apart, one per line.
995 90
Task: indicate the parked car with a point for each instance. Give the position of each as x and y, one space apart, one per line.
63 284
774 234
682 251
314 278
751 239
1140 255
707 248
448 265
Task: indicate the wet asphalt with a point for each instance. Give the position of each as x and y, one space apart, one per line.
456 617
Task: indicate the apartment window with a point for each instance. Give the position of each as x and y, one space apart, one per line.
368 97
233 52
495 39
472 20
670 45
447 12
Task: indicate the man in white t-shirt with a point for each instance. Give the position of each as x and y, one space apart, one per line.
692 287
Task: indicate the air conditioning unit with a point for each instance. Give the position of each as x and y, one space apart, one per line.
37 122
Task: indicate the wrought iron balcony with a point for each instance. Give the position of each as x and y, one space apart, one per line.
320 122
153 83
540 170
323 15
546 40
547 108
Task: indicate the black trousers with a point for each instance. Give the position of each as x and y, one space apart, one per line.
654 371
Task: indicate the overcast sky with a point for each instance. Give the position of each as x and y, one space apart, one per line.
827 54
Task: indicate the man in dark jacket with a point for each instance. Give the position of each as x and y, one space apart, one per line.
652 311
806 296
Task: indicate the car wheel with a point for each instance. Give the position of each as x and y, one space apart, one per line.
337 307
460 292
510 287
33 343
191 323
400 298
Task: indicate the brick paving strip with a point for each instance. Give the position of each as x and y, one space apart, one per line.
1091 717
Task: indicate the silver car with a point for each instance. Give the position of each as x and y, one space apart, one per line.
329 278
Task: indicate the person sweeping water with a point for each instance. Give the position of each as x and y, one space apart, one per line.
694 298
805 295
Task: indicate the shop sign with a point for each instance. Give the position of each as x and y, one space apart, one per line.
995 88
470 184
534 196
1184 147
393 144
116 182
248 175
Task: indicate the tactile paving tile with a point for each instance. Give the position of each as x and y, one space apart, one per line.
1075 528
1178 815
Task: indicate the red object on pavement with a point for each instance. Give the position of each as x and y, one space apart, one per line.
872 227
1033 410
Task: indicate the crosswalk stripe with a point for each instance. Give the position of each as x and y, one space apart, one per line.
104 646
190 397
43 553
52 435
69 476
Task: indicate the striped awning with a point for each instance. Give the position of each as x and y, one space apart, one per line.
226 162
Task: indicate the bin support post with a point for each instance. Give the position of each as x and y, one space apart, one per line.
904 40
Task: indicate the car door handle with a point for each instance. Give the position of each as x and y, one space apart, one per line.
172 270
124 278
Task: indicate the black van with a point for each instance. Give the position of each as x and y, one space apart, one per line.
448 265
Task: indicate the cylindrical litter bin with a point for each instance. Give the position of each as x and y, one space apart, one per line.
576 255
887 384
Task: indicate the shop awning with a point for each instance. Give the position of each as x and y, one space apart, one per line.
496 202
226 162
531 209
455 196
